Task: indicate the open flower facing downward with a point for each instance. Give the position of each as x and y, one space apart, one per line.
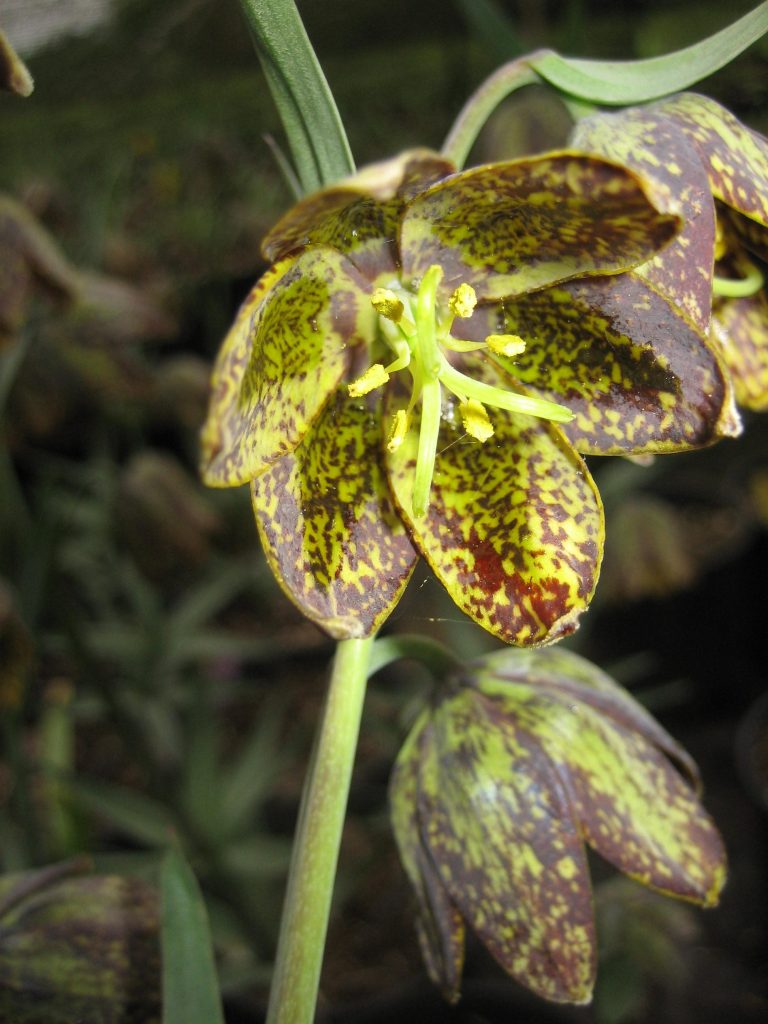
518 763
696 150
386 392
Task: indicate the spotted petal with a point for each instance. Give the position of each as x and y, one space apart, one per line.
359 216
281 362
328 526
623 359
650 142
499 826
736 157
631 803
513 227
440 925
514 528
740 330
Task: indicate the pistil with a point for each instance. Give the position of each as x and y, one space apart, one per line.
419 345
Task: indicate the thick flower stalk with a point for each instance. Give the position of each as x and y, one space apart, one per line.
519 762
717 168
420 368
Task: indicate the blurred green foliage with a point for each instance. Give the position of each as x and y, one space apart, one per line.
154 683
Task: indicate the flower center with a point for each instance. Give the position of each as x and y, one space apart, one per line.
418 332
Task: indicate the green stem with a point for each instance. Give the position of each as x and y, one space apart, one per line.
482 103
318 836
429 652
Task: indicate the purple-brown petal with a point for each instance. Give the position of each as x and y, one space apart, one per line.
328 526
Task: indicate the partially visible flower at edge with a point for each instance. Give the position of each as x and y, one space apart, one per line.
408 266
695 149
520 761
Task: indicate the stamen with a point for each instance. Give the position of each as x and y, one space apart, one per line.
398 431
373 378
463 301
467 387
738 287
475 420
505 344
387 304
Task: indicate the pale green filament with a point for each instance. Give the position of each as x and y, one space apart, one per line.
419 344
738 287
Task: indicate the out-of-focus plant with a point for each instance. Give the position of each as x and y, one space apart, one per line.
420 372
76 947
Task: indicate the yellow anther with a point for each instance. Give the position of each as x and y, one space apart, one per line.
505 344
398 431
463 301
475 419
373 377
386 302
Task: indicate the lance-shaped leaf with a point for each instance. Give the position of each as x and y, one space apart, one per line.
635 373
289 348
517 763
514 530
328 525
513 227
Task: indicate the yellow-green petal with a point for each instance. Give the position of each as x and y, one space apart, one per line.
282 361
653 145
740 331
632 804
440 926
221 432
633 370
499 826
736 157
569 677
513 227
359 215
514 527
328 526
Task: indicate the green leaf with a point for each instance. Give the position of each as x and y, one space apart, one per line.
135 815
622 82
491 27
190 984
299 88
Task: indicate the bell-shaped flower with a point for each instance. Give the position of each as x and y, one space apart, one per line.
695 149
420 367
519 762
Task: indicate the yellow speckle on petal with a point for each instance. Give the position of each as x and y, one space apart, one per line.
373 377
386 302
505 344
399 430
463 301
566 868
475 420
